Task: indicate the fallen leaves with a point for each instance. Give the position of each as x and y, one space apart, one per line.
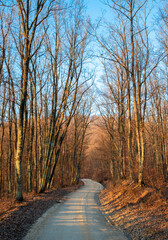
17 218
141 212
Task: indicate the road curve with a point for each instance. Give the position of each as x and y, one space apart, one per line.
78 218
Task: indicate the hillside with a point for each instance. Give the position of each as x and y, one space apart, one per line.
142 213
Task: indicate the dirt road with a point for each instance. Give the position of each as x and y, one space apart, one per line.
78 218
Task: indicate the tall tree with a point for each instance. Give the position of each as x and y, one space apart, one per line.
65 78
29 25
129 49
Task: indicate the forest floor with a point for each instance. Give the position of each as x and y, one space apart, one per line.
142 213
17 218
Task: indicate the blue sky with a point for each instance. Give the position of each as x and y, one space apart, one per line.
94 8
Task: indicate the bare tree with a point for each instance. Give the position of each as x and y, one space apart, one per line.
29 25
130 50
65 78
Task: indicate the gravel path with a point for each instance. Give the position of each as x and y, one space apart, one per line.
17 218
78 218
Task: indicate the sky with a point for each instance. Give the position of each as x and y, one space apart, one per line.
94 8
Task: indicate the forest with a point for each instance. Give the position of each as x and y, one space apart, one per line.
59 121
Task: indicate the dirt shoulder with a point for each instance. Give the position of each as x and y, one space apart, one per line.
142 213
17 218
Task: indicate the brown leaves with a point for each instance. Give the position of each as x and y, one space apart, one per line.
141 212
